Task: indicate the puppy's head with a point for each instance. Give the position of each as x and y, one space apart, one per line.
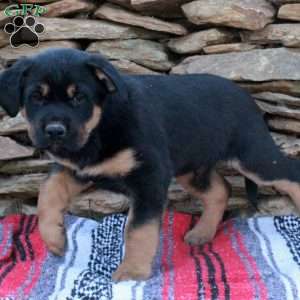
61 93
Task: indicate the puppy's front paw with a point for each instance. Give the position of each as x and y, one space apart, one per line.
198 236
130 271
54 237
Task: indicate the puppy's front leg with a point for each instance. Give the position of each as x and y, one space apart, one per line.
141 241
54 197
142 228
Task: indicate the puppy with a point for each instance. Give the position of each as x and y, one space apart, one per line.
142 130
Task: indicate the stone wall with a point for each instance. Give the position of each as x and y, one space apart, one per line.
253 42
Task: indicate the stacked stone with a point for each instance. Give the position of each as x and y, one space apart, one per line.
253 42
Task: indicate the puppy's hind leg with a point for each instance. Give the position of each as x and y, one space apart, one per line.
213 190
267 166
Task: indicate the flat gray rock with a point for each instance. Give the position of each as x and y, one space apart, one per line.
284 125
129 67
25 166
4 38
247 14
290 87
68 7
195 42
10 126
278 110
23 186
285 34
255 65
230 47
64 29
115 13
149 54
289 12
278 99
9 149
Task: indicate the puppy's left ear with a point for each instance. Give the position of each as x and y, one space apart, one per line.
109 84
107 74
11 86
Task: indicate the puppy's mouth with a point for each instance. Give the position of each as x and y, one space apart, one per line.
53 147
56 146
62 147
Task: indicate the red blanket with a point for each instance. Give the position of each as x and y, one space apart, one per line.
249 259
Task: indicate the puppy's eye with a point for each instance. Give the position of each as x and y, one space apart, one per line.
77 100
37 97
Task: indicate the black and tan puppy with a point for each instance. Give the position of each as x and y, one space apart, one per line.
142 130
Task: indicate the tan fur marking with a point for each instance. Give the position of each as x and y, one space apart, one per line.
290 188
140 248
45 89
94 120
86 130
54 197
71 90
120 164
214 201
283 185
107 80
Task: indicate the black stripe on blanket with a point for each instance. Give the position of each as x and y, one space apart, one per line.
211 275
17 249
9 267
223 272
28 230
16 239
200 289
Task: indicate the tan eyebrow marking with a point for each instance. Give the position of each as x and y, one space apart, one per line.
44 89
71 90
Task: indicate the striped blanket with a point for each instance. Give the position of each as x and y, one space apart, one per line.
249 259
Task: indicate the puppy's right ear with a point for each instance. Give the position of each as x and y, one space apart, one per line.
11 81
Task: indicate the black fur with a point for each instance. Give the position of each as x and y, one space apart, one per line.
176 124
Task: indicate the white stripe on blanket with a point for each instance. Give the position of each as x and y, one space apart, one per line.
76 259
277 254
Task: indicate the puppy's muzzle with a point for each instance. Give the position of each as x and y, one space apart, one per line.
55 131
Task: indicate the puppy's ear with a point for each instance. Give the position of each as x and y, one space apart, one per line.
109 84
11 86
107 73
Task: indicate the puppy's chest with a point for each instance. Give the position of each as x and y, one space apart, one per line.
118 165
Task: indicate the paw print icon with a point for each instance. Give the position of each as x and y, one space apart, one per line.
24 31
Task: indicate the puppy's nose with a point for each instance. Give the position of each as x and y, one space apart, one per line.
55 130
